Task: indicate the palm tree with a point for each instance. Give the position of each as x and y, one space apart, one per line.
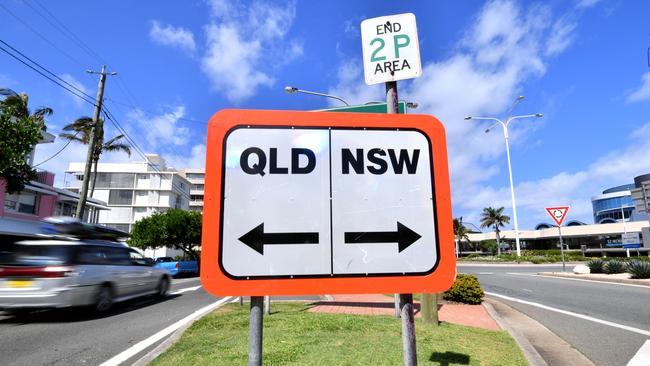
494 217
460 233
19 104
81 128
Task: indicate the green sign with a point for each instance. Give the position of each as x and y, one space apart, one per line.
366 108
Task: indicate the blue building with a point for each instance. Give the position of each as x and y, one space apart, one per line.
615 205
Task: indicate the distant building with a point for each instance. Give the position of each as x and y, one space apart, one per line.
615 205
133 190
196 176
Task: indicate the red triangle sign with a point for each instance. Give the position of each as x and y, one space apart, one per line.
558 213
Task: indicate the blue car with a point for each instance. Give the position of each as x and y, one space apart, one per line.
176 268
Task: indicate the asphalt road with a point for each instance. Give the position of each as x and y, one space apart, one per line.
76 337
604 344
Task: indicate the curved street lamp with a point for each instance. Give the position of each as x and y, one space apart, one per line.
505 136
291 90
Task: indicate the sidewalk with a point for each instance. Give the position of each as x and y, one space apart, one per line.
377 304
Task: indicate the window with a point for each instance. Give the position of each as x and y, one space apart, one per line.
123 227
137 259
198 187
195 175
120 197
24 202
117 256
91 255
115 180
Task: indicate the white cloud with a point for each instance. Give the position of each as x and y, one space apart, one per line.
643 92
169 35
568 188
77 84
583 4
240 39
161 130
506 46
196 158
561 36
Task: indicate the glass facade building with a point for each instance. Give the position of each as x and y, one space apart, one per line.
614 205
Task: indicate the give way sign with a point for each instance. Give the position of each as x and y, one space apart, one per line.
317 202
558 213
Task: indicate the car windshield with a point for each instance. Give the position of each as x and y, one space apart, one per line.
35 255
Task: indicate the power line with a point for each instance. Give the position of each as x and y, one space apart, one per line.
45 76
45 69
141 152
41 36
58 152
65 31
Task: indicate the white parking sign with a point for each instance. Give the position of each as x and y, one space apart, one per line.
391 49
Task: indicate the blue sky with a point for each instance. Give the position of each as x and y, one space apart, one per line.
584 64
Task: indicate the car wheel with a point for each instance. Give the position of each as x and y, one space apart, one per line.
104 300
163 287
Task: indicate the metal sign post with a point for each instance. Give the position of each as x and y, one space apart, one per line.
558 214
255 333
559 230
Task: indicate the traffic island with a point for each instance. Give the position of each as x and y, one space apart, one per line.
295 336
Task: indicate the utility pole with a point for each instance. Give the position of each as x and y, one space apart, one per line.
91 141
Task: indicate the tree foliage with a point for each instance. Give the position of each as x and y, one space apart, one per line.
19 133
174 228
494 217
461 233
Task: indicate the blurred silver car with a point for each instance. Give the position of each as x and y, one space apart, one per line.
62 273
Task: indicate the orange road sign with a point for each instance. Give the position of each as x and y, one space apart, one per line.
301 203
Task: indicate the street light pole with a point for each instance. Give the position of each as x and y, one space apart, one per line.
512 186
291 90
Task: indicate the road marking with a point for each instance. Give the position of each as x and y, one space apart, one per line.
185 290
642 356
579 279
144 344
576 315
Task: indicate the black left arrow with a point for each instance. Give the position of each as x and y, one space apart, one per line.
257 238
404 237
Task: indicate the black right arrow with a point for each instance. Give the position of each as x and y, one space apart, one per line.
257 238
404 237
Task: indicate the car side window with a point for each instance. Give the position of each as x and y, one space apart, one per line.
117 256
137 259
91 255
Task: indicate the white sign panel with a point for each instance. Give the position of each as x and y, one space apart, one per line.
327 202
391 49
630 238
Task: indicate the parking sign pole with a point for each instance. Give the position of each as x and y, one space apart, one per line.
404 308
255 334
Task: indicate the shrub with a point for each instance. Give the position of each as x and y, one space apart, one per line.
466 289
639 269
614 266
596 266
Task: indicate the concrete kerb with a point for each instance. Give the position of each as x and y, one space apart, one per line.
539 344
529 351
631 281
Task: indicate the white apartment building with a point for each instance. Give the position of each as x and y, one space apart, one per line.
196 176
133 190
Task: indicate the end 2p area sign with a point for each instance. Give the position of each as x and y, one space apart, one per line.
316 202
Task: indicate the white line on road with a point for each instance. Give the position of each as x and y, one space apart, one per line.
576 315
144 344
185 290
642 356
579 279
